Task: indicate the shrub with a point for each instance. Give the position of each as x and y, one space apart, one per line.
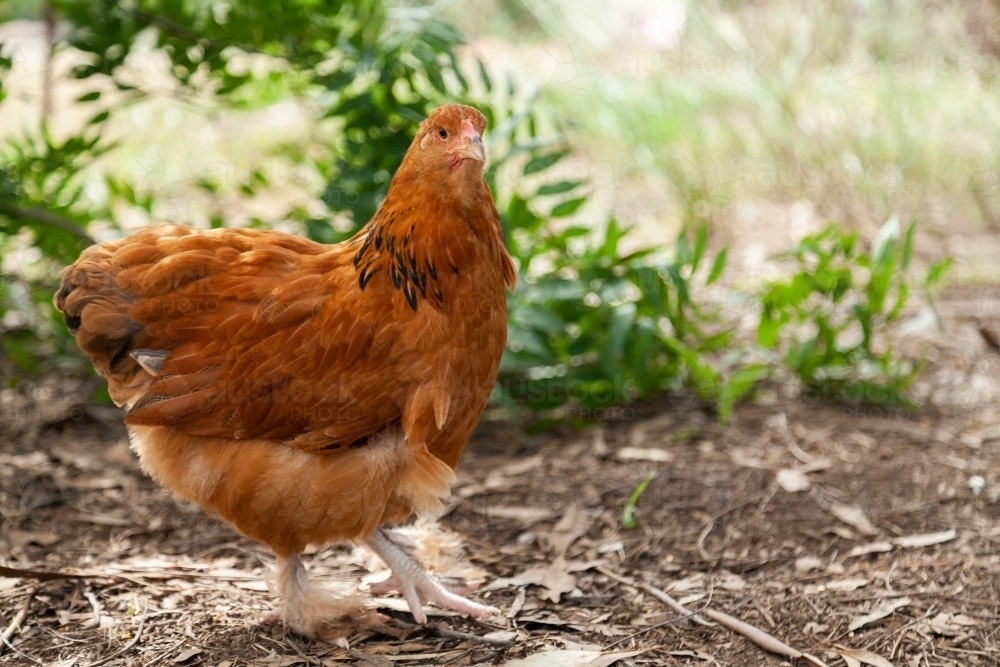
826 319
590 325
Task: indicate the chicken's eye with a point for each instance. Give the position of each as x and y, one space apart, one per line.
443 133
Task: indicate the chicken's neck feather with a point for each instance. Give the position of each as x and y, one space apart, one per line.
424 240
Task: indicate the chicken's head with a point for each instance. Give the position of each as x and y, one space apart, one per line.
450 140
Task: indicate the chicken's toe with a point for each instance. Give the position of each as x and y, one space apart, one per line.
272 617
417 586
382 587
429 589
336 637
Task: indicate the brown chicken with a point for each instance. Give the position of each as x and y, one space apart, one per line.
311 393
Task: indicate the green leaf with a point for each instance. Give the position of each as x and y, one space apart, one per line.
700 243
769 328
937 271
89 97
543 162
911 231
628 511
99 118
540 319
682 248
934 275
20 353
737 387
530 342
484 75
887 233
622 320
639 349
613 233
571 232
568 207
558 188
718 266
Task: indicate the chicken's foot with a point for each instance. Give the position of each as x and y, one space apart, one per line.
314 611
416 585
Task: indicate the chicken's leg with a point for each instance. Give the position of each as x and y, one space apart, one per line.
416 585
314 611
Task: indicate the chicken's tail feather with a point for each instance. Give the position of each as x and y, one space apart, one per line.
425 480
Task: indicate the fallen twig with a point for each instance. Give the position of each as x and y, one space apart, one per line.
901 632
760 638
657 593
700 544
15 573
95 606
455 634
127 647
13 648
756 635
295 647
15 624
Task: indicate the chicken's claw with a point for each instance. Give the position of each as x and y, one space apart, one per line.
416 585
272 617
338 638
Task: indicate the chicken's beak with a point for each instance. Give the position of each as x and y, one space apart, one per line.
472 143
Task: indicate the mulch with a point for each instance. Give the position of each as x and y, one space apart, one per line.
853 535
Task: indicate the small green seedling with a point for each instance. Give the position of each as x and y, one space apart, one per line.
628 512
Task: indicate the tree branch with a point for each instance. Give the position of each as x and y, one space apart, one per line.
47 218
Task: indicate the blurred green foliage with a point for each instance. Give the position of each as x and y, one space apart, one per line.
40 193
40 190
590 325
376 76
600 327
825 318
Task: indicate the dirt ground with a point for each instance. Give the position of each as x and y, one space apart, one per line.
837 530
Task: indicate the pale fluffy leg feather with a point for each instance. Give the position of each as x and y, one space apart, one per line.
416 585
314 611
